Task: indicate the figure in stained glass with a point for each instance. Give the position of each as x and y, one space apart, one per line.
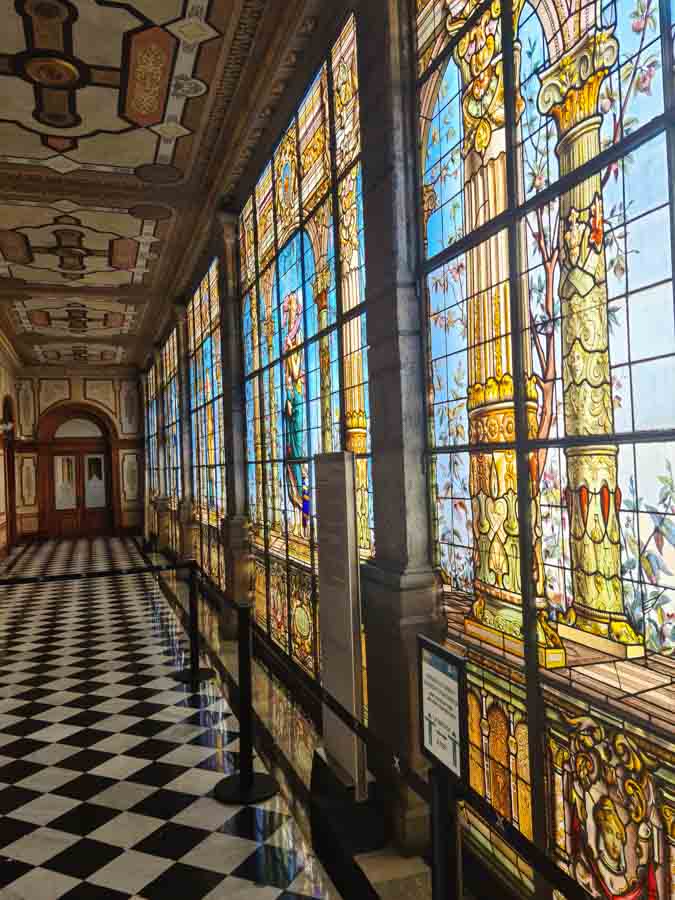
302 396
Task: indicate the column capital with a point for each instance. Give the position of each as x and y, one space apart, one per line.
179 311
571 86
228 222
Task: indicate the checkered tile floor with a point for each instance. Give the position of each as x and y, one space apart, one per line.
107 765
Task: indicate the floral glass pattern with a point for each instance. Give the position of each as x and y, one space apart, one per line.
151 429
546 268
171 435
305 345
206 423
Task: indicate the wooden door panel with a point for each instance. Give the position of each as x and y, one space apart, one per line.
79 492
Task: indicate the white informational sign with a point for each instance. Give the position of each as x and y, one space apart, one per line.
441 711
340 613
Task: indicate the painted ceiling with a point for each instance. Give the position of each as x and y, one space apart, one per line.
116 125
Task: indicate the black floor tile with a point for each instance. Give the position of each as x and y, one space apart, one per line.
30 709
88 718
271 866
11 870
12 798
157 774
22 747
25 727
17 771
83 858
13 829
86 891
86 760
153 748
164 804
86 701
171 841
254 824
183 881
147 728
84 818
85 738
84 787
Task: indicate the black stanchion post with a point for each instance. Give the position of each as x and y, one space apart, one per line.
194 675
246 786
446 844
440 800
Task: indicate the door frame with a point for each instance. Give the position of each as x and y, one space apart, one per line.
8 418
47 448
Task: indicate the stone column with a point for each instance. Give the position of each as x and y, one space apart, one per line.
161 502
237 533
188 526
146 461
399 586
569 93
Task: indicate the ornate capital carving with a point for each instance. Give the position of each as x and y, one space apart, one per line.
180 312
228 225
571 86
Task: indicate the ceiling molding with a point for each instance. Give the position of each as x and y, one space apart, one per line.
253 104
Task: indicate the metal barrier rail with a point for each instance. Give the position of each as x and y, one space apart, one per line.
96 573
233 789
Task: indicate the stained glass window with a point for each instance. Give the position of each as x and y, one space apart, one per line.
171 435
206 423
546 208
151 432
305 345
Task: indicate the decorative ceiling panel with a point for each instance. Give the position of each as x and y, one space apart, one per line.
100 86
80 354
95 246
120 122
56 317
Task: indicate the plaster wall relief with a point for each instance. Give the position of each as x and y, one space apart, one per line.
3 498
117 396
101 391
130 462
51 391
129 407
26 466
26 405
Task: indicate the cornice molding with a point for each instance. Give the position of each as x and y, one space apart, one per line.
252 106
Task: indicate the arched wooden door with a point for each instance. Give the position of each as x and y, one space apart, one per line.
76 475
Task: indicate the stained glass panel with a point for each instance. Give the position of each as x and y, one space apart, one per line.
344 70
208 440
171 457
305 361
151 431
315 174
572 415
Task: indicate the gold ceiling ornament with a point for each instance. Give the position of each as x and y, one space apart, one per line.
52 71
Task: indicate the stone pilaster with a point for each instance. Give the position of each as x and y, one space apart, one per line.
187 524
398 586
161 502
147 524
569 93
236 529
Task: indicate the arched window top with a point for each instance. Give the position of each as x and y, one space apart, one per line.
78 428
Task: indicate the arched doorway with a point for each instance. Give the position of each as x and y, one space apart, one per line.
77 480
8 425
